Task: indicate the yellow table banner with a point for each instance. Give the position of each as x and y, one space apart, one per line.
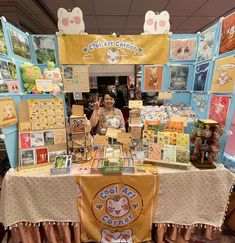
117 208
107 49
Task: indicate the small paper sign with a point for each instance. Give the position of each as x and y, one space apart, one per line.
123 137
180 119
208 121
44 85
135 104
165 96
112 132
100 140
77 95
78 110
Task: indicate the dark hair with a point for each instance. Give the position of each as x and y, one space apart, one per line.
110 93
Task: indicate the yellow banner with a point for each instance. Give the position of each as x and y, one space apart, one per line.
118 208
107 49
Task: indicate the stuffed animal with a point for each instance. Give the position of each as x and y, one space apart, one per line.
70 22
30 73
54 75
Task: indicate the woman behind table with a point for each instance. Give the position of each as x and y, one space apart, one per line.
107 116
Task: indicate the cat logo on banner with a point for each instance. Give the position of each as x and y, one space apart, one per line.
118 211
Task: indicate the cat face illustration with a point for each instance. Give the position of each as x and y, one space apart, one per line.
156 23
118 236
113 56
70 22
223 77
183 49
118 206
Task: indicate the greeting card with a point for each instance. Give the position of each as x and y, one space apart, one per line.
59 136
37 139
200 77
41 155
182 154
153 75
52 155
13 86
8 112
27 157
219 106
48 137
206 44
25 140
224 75
179 77
154 151
227 42
183 49
183 140
169 153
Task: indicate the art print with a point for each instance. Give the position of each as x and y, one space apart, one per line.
5 73
52 155
227 42
3 47
27 157
163 138
8 115
60 136
25 140
19 44
206 44
41 155
153 75
37 139
219 106
179 77
48 138
44 47
224 75
13 86
200 77
183 49
12 69
3 86
199 104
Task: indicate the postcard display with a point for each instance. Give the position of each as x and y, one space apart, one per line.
42 133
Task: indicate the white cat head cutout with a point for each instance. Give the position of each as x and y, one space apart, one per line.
118 236
157 23
70 22
118 206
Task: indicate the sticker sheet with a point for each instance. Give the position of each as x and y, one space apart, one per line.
183 140
154 151
164 138
169 153
25 140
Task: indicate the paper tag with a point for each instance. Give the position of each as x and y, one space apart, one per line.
77 95
180 119
112 132
165 96
44 85
135 104
100 140
123 137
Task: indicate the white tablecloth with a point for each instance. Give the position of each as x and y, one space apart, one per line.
185 197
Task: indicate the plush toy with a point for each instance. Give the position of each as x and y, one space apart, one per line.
30 73
54 75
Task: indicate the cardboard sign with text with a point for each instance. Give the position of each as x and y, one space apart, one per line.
165 96
123 137
101 140
135 104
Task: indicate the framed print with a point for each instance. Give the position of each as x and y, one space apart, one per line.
179 77
153 75
27 157
24 140
44 48
4 69
41 155
12 70
48 137
183 49
200 77
3 47
219 106
227 39
3 86
37 139
224 75
52 155
206 44
19 44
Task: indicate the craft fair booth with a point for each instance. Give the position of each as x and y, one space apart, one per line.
164 176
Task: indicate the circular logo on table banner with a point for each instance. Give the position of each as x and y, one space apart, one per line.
117 205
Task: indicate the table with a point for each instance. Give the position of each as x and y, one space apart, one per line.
186 197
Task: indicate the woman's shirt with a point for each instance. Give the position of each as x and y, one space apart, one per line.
113 119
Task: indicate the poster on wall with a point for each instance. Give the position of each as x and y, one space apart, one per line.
179 77
76 78
3 47
153 75
199 104
206 44
227 41
224 75
183 49
8 112
219 106
44 48
19 44
200 77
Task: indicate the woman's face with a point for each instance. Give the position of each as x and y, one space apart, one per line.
108 101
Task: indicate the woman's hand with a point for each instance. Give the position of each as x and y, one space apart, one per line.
97 103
